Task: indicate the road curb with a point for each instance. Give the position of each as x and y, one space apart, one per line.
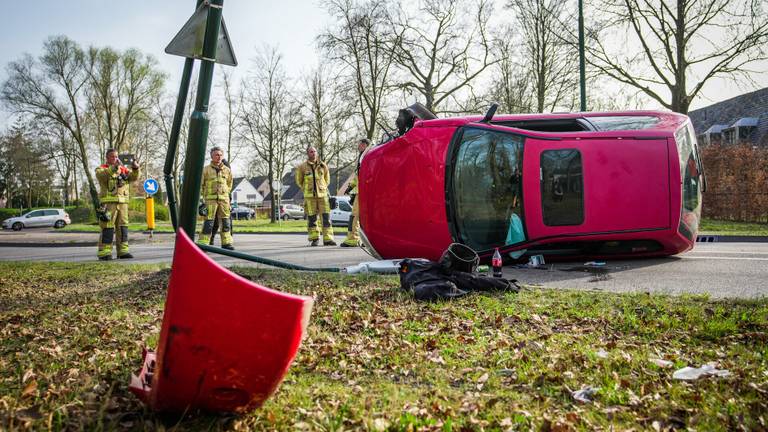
706 238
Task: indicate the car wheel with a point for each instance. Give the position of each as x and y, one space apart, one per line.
59 224
285 217
17 226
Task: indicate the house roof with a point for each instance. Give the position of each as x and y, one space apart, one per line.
257 181
715 128
293 192
749 109
746 122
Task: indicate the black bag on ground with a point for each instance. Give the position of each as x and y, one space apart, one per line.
430 281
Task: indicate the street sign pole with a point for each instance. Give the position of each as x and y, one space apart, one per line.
199 122
173 143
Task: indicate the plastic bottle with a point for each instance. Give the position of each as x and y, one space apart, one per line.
496 263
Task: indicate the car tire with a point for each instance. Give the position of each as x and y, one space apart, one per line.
59 224
285 217
17 226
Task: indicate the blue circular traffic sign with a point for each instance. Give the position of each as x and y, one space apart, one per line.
150 186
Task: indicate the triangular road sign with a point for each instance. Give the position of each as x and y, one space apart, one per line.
188 42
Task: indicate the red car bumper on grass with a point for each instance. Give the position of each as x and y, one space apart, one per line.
226 343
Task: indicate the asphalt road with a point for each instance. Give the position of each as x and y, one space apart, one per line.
717 269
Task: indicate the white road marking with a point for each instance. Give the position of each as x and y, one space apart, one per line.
724 258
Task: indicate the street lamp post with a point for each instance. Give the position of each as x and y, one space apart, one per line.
582 68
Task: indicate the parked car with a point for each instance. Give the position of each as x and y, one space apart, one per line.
56 218
340 215
291 211
243 213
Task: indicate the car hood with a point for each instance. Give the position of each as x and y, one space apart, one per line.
13 220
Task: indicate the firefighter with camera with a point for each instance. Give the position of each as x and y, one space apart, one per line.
313 178
114 183
217 184
353 228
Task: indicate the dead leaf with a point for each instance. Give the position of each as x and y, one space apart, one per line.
661 363
27 375
30 389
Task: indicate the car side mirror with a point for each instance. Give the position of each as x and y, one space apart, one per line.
28 216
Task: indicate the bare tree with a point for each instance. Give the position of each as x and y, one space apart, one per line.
670 49
121 89
51 89
552 60
61 150
163 108
326 117
29 171
269 117
231 113
511 78
359 43
441 47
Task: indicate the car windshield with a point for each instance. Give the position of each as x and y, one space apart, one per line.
487 189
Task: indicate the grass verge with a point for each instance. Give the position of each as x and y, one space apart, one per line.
717 227
71 334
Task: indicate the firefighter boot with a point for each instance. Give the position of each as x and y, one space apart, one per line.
205 234
314 234
351 240
327 231
226 234
122 243
105 245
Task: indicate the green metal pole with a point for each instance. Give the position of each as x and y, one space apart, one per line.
198 124
173 142
267 261
582 67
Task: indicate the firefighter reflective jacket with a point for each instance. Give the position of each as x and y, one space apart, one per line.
313 178
352 188
114 183
217 182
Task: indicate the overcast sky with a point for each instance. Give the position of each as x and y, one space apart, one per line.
150 25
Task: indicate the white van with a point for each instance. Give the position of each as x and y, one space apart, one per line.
340 215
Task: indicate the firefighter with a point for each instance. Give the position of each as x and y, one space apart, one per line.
217 182
313 177
114 184
353 228
217 221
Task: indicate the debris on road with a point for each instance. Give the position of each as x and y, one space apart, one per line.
381 267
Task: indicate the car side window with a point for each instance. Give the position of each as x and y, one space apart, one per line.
51 212
344 206
562 187
37 213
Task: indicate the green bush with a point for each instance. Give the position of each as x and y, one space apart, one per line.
137 207
82 215
6 213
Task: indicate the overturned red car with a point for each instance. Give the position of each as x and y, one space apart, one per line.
597 184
